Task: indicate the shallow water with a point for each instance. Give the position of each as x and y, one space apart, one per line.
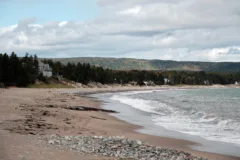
201 115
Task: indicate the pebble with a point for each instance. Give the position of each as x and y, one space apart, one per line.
180 158
51 142
139 142
116 147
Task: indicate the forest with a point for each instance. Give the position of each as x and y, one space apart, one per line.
85 73
15 71
22 71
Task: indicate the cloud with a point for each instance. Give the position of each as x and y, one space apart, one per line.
157 29
132 11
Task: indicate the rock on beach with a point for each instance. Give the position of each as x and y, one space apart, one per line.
117 146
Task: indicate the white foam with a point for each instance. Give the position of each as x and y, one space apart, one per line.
137 92
222 130
140 104
192 122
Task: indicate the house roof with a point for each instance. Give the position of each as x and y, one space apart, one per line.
44 66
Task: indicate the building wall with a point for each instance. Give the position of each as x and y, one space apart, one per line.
45 69
47 73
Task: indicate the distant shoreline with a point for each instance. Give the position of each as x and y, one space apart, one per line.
119 88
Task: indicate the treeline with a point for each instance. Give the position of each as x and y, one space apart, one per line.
84 73
16 71
201 78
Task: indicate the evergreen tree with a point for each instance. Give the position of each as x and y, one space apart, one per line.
18 71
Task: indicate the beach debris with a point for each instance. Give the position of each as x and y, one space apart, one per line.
117 146
67 120
45 113
28 126
63 100
28 107
83 108
98 118
31 124
51 106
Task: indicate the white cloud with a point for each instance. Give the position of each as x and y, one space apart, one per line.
132 11
62 24
157 29
184 54
7 29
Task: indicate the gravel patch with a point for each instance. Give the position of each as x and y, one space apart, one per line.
117 146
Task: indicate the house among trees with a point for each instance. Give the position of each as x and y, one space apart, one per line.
166 81
149 83
206 82
44 69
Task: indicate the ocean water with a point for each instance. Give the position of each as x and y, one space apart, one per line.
212 114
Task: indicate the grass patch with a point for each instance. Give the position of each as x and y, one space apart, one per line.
49 86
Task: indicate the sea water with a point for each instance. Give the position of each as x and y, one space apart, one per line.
212 114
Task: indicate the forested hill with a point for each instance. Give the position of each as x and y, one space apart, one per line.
140 64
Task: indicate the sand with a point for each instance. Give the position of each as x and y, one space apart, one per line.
26 113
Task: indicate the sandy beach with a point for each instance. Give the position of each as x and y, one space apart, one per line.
27 113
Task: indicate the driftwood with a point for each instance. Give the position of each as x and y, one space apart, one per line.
98 118
83 108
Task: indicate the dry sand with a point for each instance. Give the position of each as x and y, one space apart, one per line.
24 113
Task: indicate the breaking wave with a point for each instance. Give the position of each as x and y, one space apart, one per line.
189 121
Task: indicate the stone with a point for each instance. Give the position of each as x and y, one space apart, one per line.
139 143
180 158
117 146
174 158
51 142
67 138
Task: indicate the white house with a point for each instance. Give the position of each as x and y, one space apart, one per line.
149 83
206 82
166 81
45 69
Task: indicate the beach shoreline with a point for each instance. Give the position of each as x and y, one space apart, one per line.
142 118
17 103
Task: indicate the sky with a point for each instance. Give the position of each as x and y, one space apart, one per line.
182 30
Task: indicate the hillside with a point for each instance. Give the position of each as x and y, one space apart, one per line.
140 64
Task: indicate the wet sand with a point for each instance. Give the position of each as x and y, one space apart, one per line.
26 113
